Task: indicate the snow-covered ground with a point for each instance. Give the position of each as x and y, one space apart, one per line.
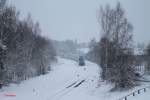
66 81
53 85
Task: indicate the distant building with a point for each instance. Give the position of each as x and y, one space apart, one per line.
140 60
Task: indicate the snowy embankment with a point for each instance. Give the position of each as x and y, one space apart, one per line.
66 81
53 85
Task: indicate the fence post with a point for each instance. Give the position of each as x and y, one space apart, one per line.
133 94
125 98
144 89
138 91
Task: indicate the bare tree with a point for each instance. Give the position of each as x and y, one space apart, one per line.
116 47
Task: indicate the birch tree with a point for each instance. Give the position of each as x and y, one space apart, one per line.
116 47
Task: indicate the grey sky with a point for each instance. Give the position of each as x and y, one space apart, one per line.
76 19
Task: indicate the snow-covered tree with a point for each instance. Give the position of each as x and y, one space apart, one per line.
2 45
23 51
116 47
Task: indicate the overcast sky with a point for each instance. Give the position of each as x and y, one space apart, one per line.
76 19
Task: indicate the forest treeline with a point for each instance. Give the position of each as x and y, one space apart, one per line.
24 53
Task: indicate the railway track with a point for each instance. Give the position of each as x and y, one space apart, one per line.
61 93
